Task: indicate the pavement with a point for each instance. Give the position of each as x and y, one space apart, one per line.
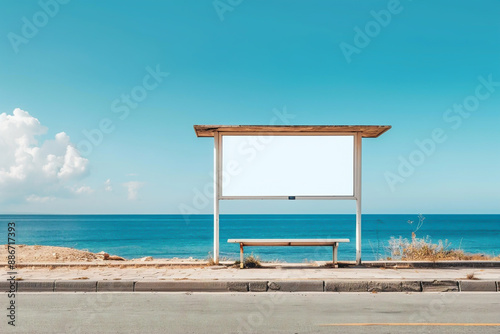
275 277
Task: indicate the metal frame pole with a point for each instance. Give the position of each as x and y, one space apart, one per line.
357 194
216 195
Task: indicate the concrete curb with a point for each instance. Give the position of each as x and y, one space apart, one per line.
257 286
75 286
294 286
254 286
440 286
35 286
6 286
205 286
477 285
115 286
346 286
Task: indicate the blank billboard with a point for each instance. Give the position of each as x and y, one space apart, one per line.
272 166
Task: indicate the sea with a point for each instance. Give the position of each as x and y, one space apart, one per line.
185 236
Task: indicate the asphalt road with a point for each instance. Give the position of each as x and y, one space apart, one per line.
254 313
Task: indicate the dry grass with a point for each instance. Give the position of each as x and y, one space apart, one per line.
210 259
252 262
249 262
422 249
471 276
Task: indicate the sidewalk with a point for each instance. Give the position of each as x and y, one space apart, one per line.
272 277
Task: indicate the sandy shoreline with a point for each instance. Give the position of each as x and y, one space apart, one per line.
55 255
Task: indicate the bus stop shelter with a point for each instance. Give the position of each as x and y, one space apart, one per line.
288 162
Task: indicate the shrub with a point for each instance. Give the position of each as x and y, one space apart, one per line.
422 249
249 262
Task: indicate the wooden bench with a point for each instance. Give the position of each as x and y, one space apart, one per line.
288 242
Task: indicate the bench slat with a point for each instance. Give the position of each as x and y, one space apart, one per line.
287 242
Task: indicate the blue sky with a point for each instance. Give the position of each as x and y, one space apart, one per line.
146 71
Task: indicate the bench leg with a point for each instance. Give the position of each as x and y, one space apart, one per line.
241 256
335 255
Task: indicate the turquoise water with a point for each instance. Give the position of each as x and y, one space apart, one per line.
133 236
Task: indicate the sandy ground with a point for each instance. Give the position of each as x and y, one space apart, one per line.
37 253
52 254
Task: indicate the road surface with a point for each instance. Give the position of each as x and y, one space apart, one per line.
254 313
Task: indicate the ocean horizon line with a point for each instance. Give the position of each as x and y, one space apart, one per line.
234 214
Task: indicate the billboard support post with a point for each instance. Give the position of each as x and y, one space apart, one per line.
357 194
217 172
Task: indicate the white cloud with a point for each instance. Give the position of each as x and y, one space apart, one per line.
73 164
33 171
132 188
107 185
82 190
38 199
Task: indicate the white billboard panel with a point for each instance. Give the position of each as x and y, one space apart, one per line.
272 166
